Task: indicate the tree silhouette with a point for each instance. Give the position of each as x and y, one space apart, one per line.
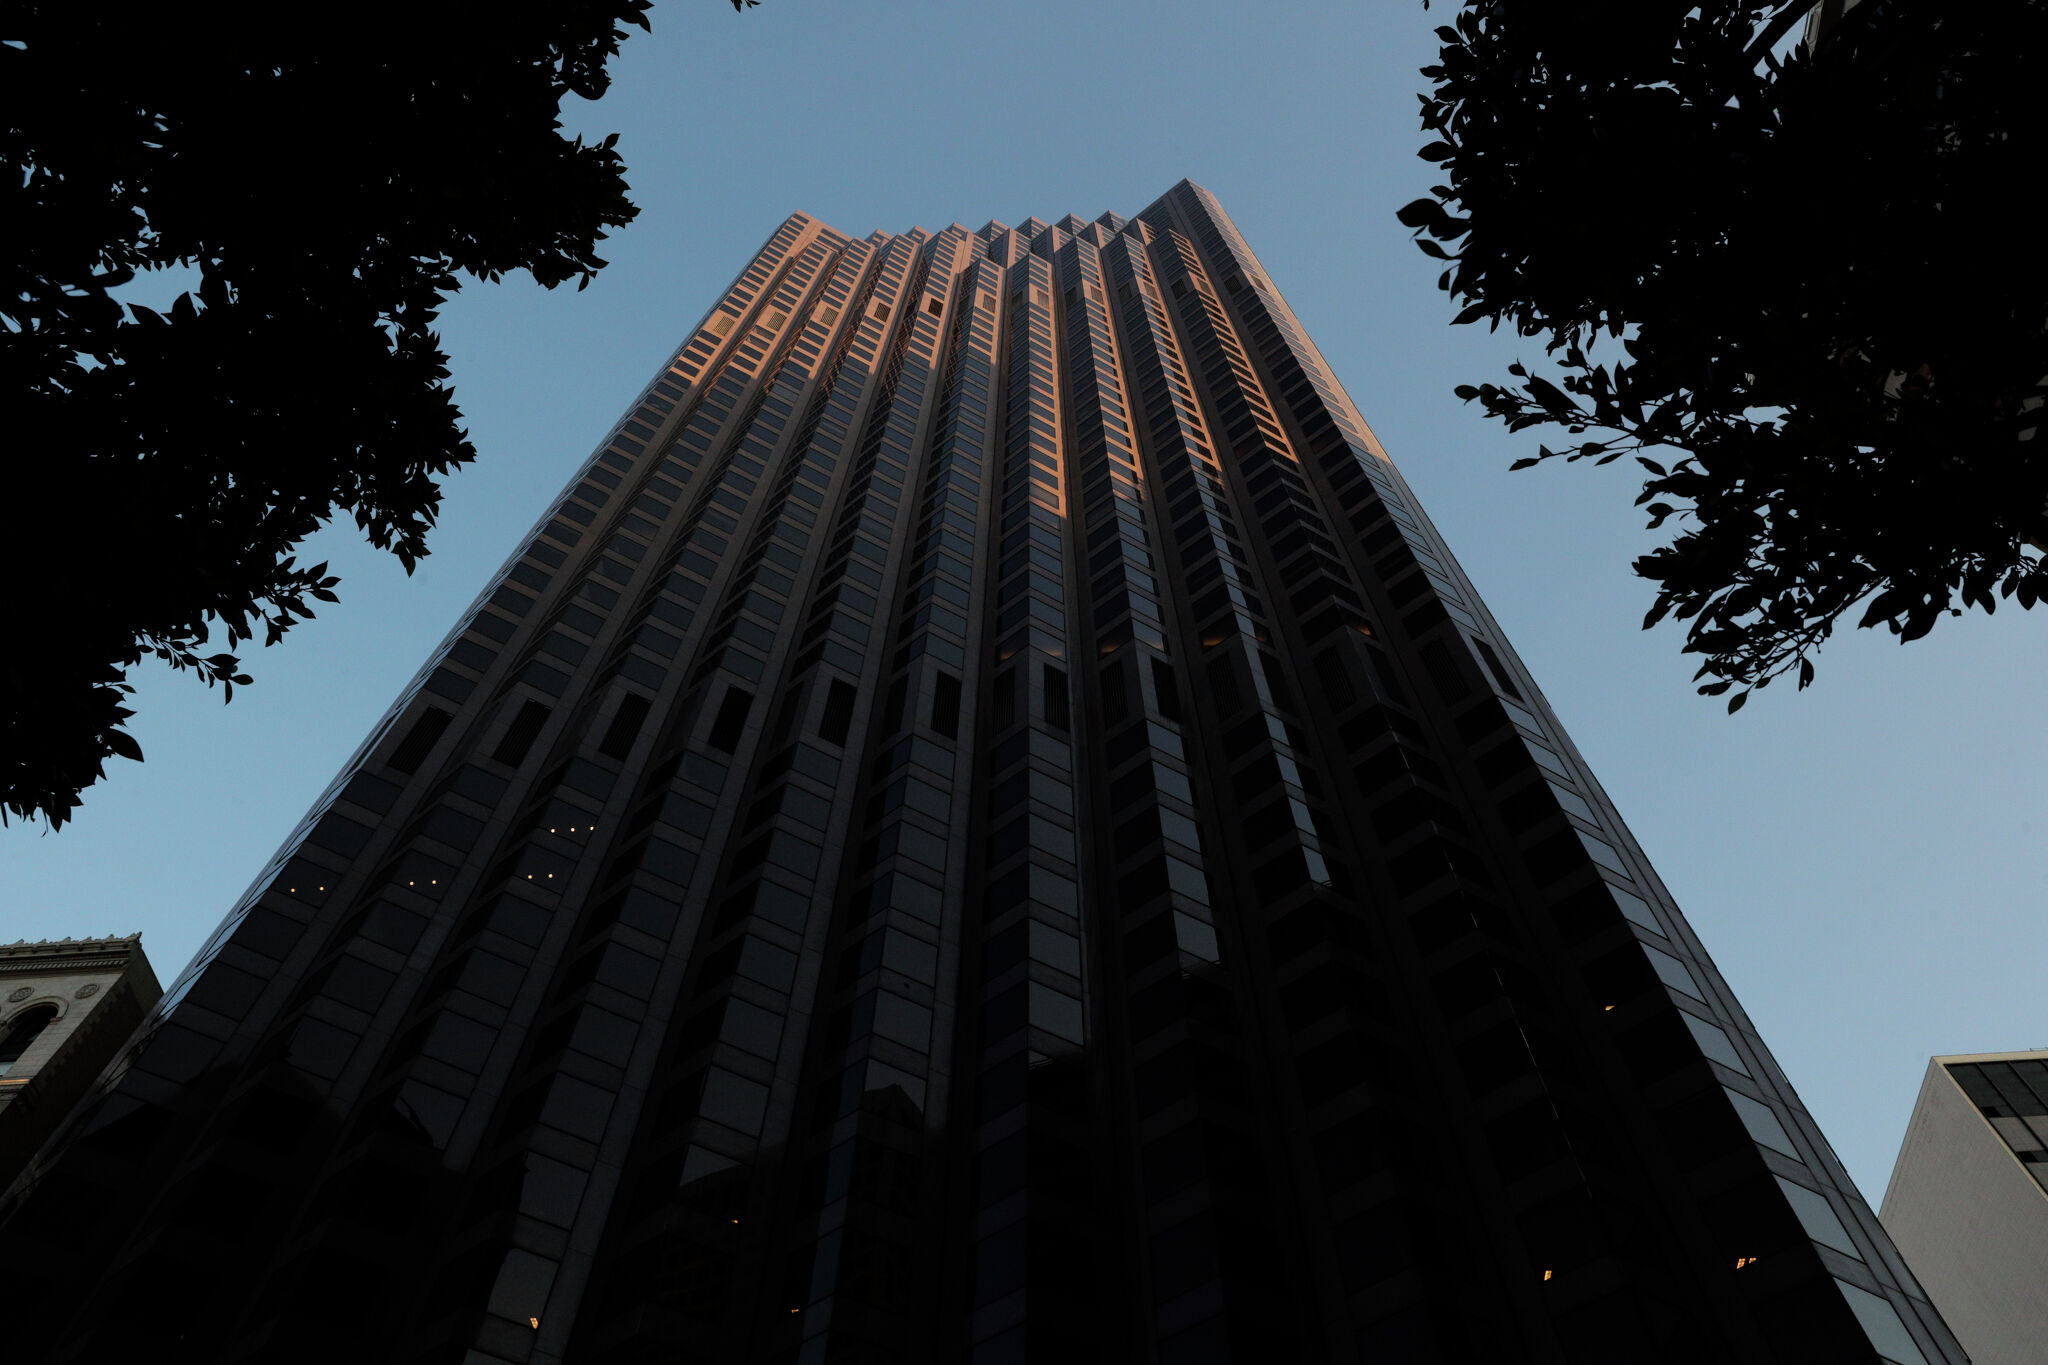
326 182
1797 291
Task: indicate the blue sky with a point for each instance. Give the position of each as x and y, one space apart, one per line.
1863 860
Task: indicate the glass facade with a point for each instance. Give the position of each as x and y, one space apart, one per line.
984 824
2013 1098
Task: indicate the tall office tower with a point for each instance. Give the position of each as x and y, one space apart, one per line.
1968 1200
984 825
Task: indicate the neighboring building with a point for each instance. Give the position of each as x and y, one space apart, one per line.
983 825
1968 1201
65 1009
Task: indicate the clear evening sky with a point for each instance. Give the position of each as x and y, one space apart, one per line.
1864 860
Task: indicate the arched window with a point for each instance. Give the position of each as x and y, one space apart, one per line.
24 1031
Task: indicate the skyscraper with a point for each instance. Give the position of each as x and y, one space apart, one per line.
983 825
1968 1200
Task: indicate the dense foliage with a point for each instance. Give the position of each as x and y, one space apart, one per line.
324 184
1800 291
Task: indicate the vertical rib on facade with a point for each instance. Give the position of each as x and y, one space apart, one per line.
984 824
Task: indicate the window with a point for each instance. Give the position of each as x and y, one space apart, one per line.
1715 1043
893 704
625 726
1762 1123
419 741
552 1191
1055 1012
1116 701
1167 689
1450 681
751 1028
22 1034
734 1101
732 716
1058 950
1881 1323
1818 1217
838 717
519 736
1495 667
1056 705
1003 713
1336 682
946 705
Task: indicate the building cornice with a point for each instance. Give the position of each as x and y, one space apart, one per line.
83 954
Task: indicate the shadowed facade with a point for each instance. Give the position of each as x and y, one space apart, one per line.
985 825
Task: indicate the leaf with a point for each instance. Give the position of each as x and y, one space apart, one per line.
1438 151
1550 396
231 453
1736 702
1419 212
1882 607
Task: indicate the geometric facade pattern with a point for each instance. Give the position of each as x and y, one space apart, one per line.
983 825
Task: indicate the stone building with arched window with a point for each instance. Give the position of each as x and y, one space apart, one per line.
66 1007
